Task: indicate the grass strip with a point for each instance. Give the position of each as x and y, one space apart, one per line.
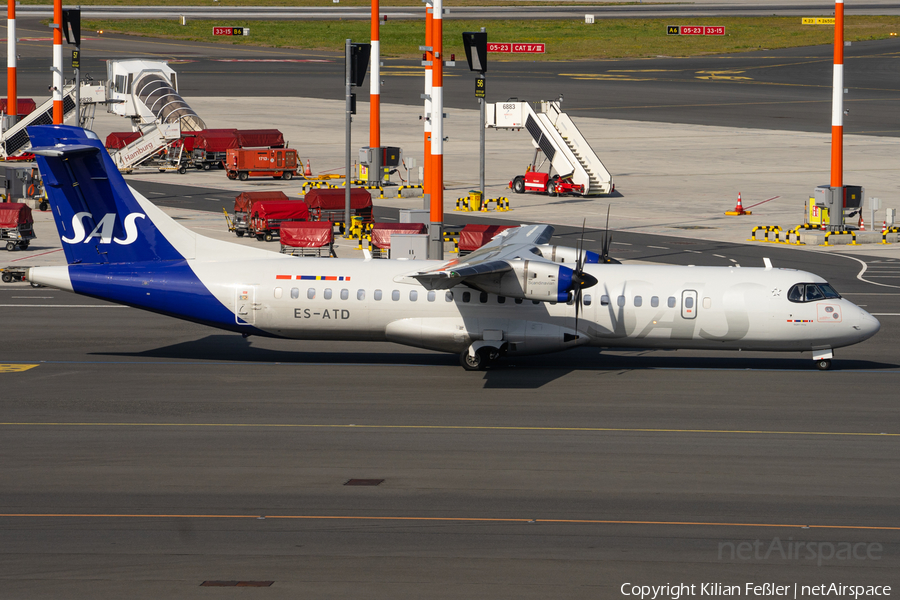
565 39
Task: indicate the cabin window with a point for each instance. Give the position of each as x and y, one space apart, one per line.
431 296
278 292
707 303
295 293
483 297
586 299
604 300
377 295
448 297
311 293
345 294
638 301
467 296
688 302
360 294
654 301
395 295
413 295
620 301
501 299
327 294
671 302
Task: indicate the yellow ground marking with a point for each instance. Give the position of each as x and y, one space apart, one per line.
446 520
604 77
5 368
455 428
729 75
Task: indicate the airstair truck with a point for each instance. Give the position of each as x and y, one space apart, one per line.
577 168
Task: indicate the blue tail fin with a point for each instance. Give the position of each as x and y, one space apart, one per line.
98 218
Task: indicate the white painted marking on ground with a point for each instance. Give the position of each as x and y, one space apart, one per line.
621 244
658 247
63 306
157 193
29 297
213 199
718 256
694 251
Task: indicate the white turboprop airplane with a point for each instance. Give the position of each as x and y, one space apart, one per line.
516 295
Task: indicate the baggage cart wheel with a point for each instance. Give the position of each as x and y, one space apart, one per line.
519 185
206 166
45 206
269 236
24 245
260 237
182 169
10 246
287 175
7 277
240 233
243 176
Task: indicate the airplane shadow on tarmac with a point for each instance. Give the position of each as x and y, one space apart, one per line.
525 372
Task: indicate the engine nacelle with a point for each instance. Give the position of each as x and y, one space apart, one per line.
565 254
532 280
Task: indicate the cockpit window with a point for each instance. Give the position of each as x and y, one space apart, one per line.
810 292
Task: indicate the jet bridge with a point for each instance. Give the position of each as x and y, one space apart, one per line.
554 134
147 92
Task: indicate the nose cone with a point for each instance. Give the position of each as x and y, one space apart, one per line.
867 324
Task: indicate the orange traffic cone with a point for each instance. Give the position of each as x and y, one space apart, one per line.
738 209
307 172
862 223
884 227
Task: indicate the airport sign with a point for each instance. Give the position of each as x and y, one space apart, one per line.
231 31
817 21
538 48
695 30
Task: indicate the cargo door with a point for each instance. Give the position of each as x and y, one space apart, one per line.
245 305
689 304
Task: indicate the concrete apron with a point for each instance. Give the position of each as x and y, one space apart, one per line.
671 179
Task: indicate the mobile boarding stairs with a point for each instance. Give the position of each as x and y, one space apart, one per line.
554 134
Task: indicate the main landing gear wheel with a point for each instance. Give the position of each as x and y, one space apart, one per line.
823 364
474 363
519 185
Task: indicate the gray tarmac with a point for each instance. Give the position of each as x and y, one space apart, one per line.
139 453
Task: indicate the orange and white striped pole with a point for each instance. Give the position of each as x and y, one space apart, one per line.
429 56
436 246
57 63
837 103
12 100
375 84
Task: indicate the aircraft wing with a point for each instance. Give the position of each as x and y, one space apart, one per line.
485 266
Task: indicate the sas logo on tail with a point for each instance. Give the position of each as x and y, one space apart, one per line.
104 229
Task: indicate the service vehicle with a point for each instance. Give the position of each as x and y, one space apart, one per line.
279 163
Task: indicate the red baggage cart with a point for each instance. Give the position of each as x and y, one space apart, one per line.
243 206
474 236
310 238
16 225
267 216
381 235
328 205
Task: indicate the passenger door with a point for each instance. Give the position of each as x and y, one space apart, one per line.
245 305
